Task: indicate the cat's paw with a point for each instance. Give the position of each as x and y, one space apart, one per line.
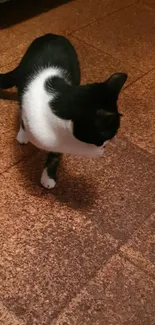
46 181
22 137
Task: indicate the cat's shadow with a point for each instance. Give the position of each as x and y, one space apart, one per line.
72 190
9 95
14 12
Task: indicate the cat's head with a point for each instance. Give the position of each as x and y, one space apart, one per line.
101 119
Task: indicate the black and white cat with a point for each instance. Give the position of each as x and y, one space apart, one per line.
59 115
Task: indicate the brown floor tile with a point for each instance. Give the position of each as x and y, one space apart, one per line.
9 63
21 12
9 114
97 66
120 294
137 105
141 247
118 190
11 152
63 19
124 36
45 260
7 318
150 3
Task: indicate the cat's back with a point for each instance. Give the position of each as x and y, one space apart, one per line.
49 51
40 122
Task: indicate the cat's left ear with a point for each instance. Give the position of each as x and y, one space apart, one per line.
116 82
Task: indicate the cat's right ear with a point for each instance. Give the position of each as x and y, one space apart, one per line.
116 81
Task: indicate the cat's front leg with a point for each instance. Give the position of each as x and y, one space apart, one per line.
48 178
22 136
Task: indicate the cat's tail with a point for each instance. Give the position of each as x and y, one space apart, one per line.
8 80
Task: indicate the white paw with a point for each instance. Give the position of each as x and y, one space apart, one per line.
46 181
22 136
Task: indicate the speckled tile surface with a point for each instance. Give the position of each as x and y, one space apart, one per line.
137 105
10 151
141 248
8 318
63 19
82 254
150 3
46 260
119 294
97 66
124 35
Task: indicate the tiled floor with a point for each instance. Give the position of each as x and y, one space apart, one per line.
84 253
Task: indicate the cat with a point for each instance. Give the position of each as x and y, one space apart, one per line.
58 115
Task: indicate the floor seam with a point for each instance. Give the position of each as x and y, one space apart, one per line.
86 284
142 76
127 139
113 57
137 228
123 255
101 51
88 24
96 20
16 163
9 316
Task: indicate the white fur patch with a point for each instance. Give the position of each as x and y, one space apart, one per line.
46 181
22 136
44 129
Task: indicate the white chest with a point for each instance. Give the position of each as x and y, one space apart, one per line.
44 129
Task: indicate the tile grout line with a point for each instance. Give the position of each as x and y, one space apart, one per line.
8 316
138 227
139 78
96 20
120 254
16 163
90 23
117 253
101 51
113 57
127 139
123 255
86 284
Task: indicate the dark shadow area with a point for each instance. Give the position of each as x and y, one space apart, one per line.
9 95
71 190
16 11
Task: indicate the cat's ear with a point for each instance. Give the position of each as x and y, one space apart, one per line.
116 81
